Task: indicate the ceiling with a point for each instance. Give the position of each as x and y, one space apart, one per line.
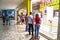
34 1
9 4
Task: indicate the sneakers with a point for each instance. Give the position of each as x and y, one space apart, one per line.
37 38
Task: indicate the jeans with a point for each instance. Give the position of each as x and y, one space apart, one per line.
37 27
27 28
31 29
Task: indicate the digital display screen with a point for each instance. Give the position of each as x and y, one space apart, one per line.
10 13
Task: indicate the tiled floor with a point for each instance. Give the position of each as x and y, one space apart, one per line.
15 32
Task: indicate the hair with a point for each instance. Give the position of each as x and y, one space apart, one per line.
18 15
37 15
21 12
30 13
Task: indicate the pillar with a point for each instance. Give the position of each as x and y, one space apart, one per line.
28 6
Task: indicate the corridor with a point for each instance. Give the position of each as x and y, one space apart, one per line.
13 11
15 32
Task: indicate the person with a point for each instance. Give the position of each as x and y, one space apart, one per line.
3 18
26 19
37 25
30 23
18 21
7 19
22 18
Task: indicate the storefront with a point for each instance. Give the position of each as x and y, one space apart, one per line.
50 16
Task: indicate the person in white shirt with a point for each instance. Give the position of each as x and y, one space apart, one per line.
30 23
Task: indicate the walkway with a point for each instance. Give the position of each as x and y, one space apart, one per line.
15 32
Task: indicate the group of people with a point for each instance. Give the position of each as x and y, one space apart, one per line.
33 24
6 19
21 18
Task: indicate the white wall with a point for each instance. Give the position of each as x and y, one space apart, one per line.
34 1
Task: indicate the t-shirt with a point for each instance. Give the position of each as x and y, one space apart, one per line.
38 20
22 17
7 18
30 19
